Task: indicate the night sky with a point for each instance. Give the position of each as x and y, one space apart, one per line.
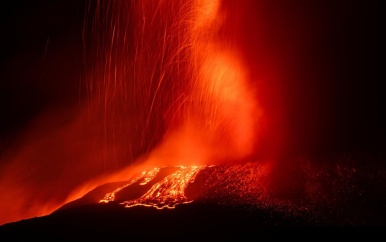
41 59
334 97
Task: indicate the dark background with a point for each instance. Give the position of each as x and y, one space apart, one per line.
41 60
41 64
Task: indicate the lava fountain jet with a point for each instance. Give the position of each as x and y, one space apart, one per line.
192 85
185 81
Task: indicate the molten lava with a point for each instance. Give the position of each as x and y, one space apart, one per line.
169 192
146 176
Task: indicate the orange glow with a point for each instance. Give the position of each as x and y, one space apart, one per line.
167 86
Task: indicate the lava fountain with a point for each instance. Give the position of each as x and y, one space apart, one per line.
196 106
172 78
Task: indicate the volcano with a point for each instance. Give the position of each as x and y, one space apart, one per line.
191 119
344 195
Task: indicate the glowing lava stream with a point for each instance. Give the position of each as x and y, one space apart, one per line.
146 175
165 194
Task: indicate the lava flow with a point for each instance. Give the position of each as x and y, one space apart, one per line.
164 194
147 176
169 192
